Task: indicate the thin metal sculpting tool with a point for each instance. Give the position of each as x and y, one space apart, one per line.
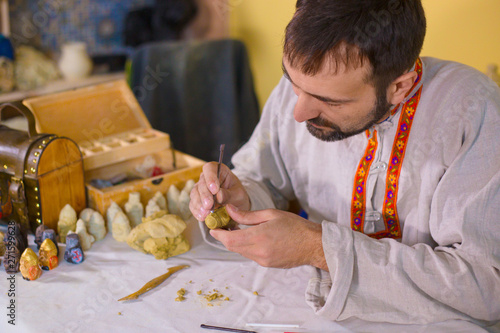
221 153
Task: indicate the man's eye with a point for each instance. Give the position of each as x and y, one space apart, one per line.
334 104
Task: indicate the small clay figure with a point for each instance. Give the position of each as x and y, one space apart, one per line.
151 208
94 222
173 200
183 205
50 234
134 209
110 214
184 199
73 253
48 255
86 239
38 235
120 227
67 222
29 265
161 201
219 219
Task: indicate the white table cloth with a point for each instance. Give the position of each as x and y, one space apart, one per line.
83 298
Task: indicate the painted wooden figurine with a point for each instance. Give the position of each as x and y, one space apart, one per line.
29 265
50 234
48 255
73 253
39 235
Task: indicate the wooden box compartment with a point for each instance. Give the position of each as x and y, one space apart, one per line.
187 167
114 136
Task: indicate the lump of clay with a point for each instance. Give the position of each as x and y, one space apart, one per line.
120 227
50 234
48 255
134 208
73 253
67 222
29 265
94 222
156 204
159 235
86 239
163 248
173 200
110 214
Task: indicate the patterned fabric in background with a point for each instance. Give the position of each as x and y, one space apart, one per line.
47 24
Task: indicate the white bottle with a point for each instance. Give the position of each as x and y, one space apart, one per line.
75 63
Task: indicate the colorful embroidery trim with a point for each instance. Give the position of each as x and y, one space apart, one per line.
389 210
359 193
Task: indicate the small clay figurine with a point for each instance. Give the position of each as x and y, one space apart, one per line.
29 265
173 200
38 235
94 222
183 205
121 227
151 208
73 253
50 234
67 222
157 203
86 239
184 199
134 209
161 201
48 255
110 214
219 219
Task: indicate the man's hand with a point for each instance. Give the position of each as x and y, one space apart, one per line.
277 238
229 191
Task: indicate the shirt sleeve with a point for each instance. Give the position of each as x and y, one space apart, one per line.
386 280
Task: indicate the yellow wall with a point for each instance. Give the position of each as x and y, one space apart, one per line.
261 25
462 30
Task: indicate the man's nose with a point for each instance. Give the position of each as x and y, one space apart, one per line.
305 108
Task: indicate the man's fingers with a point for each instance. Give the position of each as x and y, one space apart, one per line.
233 240
210 172
250 217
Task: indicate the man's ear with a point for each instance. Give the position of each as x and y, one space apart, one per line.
400 87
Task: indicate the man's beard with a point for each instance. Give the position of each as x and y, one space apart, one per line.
334 133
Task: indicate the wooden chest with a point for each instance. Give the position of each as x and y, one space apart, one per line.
115 137
39 175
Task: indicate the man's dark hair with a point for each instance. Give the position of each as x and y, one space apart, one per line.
388 33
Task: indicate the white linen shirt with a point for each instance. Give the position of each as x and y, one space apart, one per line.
446 266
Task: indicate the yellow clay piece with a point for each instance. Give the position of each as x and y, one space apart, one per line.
219 219
29 265
48 255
